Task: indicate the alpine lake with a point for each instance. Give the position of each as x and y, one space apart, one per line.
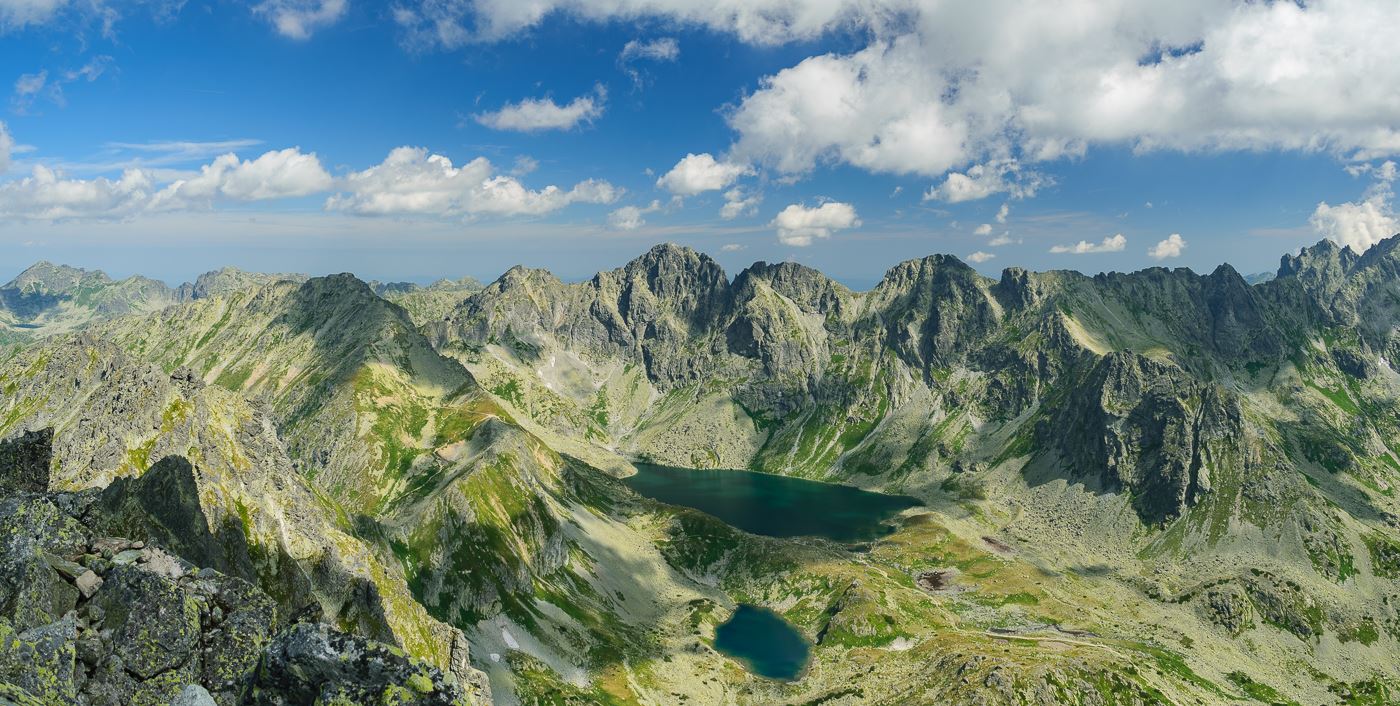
775 506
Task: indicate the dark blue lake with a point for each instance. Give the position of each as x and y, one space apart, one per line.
772 505
764 642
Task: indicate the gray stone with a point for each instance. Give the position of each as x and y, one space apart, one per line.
193 695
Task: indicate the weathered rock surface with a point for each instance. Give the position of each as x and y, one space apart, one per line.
158 630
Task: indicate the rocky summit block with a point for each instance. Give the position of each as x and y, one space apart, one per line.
314 663
87 619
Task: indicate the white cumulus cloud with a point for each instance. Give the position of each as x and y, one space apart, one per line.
536 114
944 85
980 257
984 229
698 173
410 181
1171 247
983 180
1113 243
1361 224
47 195
276 174
299 19
798 224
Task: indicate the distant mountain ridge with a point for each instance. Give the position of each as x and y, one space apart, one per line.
1147 487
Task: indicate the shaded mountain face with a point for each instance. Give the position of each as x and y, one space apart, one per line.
1138 488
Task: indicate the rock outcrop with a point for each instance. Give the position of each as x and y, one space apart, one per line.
87 618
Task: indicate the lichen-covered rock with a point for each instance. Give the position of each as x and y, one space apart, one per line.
154 624
24 461
41 660
315 664
11 695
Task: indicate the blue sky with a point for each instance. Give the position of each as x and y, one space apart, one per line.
847 135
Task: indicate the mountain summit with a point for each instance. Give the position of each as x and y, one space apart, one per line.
1147 487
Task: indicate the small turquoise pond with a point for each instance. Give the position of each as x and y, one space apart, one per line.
772 505
764 642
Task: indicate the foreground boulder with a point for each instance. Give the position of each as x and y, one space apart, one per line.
314 663
90 619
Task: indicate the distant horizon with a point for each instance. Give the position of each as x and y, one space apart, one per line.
434 138
730 272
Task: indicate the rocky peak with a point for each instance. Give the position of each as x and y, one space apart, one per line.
521 276
1322 264
1019 288
934 309
809 289
229 279
45 277
679 275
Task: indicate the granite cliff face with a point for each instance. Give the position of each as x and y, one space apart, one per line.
1139 487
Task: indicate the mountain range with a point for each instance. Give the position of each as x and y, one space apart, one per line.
1148 487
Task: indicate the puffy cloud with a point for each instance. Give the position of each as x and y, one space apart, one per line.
298 19
983 180
535 114
798 225
1000 240
698 173
731 247
47 195
631 217
1171 247
452 23
943 85
1361 224
979 257
411 181
738 202
984 229
663 49
1003 213
7 145
858 109
1113 243
276 174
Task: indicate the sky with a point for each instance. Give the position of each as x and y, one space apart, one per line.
418 139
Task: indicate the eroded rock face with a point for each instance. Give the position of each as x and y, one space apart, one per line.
156 630
91 618
28 456
312 663
1146 427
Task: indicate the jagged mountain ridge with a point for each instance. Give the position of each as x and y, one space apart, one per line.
46 298
1171 427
